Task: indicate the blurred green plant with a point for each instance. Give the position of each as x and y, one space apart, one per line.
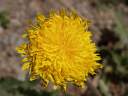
104 88
14 87
115 69
116 64
121 28
114 51
4 20
111 2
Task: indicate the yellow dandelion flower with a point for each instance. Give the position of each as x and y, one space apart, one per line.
59 50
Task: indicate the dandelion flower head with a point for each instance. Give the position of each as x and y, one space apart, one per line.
59 49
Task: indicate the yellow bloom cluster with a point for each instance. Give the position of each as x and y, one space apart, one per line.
59 49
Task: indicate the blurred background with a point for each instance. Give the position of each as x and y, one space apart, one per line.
110 32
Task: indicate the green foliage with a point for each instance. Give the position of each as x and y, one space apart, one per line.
13 87
104 88
4 21
108 2
112 2
121 27
115 56
116 64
